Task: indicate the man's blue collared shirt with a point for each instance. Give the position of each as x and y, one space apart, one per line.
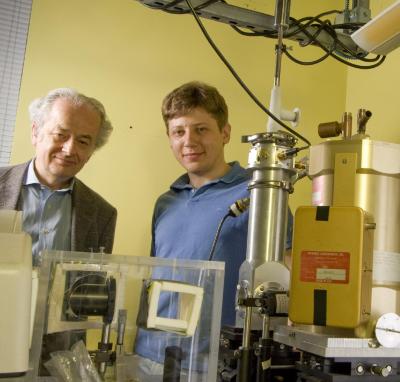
46 215
184 225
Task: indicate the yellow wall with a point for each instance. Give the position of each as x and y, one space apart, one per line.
129 57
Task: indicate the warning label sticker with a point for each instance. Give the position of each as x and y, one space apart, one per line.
326 267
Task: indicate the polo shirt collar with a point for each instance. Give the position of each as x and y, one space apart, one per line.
232 175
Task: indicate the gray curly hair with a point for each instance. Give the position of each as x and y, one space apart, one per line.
39 108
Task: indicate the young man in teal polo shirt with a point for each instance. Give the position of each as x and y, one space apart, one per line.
186 217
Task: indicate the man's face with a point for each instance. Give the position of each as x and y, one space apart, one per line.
65 142
198 143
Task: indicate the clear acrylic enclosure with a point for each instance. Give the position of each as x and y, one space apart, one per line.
168 310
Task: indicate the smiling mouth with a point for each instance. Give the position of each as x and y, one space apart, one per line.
192 155
65 162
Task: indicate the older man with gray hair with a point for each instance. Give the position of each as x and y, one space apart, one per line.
59 211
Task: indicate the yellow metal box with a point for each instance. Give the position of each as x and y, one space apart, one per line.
331 276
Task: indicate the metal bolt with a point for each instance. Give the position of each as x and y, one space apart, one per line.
379 370
360 369
373 343
224 342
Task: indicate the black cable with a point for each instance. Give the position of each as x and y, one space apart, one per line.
322 25
326 13
330 29
317 61
319 29
302 25
327 27
235 209
216 237
372 59
353 55
297 61
240 81
272 34
301 148
310 19
351 26
382 58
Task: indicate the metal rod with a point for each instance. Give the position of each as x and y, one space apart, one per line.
246 328
105 339
244 365
121 330
347 122
265 328
281 24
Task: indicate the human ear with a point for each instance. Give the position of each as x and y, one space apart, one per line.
34 133
226 133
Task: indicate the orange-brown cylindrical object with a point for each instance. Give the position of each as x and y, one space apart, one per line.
329 129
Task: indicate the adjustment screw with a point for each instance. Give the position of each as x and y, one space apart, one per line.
360 369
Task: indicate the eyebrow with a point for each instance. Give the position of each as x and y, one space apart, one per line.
62 129
89 137
197 124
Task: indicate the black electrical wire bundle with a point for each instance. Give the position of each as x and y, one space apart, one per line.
297 26
235 209
315 22
345 54
320 25
338 50
216 237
